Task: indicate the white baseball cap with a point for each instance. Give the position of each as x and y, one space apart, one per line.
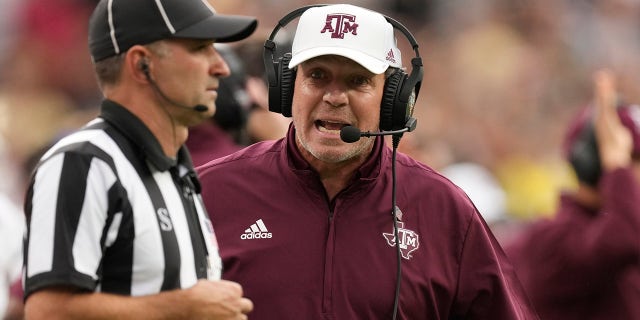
359 34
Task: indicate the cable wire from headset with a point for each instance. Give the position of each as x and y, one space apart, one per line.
394 209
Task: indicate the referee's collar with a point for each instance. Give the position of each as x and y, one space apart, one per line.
134 129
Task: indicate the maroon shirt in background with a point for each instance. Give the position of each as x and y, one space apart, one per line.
585 264
16 291
299 256
207 141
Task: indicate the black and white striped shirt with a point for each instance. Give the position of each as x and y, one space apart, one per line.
108 211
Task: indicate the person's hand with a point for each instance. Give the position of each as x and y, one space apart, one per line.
614 140
218 300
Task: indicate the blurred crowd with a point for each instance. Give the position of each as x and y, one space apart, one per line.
502 80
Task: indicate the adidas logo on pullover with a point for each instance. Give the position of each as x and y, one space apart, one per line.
256 231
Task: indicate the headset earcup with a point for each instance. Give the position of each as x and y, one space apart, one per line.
392 117
584 157
287 78
273 77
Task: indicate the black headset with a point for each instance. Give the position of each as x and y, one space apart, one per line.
400 90
584 156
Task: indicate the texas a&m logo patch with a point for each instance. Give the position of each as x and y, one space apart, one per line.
339 24
409 240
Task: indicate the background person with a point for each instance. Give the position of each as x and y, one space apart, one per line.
116 227
305 221
585 262
240 117
225 132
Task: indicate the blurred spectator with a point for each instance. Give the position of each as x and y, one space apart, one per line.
8 26
236 123
225 132
51 53
45 87
585 262
12 226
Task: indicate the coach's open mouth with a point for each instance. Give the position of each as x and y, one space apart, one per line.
330 126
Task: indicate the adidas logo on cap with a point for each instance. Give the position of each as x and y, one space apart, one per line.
256 231
390 57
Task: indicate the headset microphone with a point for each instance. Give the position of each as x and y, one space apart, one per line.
145 69
351 134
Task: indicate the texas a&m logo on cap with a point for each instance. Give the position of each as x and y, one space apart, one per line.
339 24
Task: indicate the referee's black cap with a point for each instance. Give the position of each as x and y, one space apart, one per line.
117 25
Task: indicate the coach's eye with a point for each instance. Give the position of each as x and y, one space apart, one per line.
360 80
317 74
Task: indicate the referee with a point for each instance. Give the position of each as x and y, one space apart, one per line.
116 225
